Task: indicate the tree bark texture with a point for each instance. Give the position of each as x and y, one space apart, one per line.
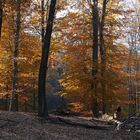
103 58
95 18
42 106
14 96
1 14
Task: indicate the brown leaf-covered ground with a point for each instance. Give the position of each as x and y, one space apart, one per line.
27 126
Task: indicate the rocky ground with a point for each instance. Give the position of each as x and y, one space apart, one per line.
25 126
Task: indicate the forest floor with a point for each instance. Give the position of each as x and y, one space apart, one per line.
27 126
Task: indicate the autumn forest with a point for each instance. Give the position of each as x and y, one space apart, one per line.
79 56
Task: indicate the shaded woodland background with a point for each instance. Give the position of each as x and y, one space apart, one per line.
93 60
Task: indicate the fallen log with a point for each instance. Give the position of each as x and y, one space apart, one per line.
60 120
69 122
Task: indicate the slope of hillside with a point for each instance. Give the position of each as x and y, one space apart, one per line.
25 126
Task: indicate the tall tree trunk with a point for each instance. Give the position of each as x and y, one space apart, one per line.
14 96
40 95
42 21
34 93
102 53
95 107
42 106
1 14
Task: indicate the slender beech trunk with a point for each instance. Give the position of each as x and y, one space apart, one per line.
40 95
42 21
34 92
1 14
95 107
14 96
102 54
42 106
